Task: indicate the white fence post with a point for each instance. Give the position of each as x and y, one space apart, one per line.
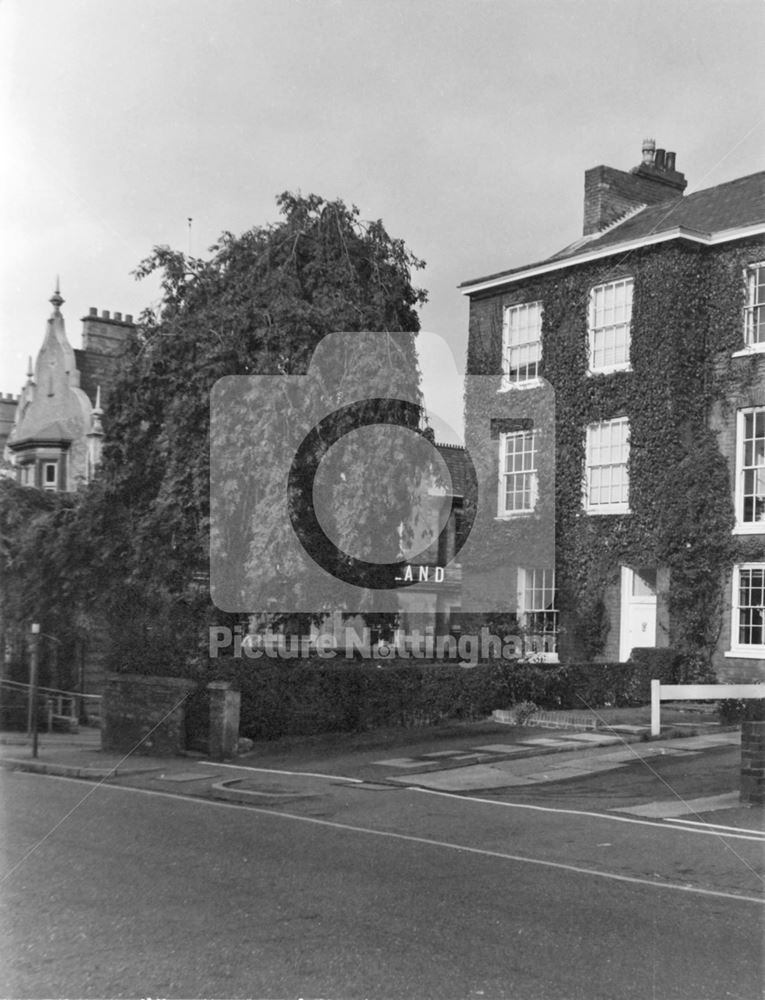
655 708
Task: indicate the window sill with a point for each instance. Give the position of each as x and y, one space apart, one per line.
610 370
532 383
745 654
755 528
602 511
513 515
749 352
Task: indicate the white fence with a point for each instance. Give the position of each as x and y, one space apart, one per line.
696 692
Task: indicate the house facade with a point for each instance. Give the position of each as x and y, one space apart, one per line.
626 387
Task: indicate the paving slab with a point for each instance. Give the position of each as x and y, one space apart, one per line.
502 748
399 762
677 807
182 776
545 741
465 779
706 742
601 739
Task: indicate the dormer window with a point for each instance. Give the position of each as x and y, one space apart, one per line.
609 326
521 345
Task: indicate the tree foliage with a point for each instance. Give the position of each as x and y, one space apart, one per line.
136 544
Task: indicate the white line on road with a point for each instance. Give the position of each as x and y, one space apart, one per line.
759 834
390 835
581 812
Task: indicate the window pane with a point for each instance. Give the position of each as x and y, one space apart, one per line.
607 481
752 471
519 487
751 602
522 341
610 316
644 583
754 313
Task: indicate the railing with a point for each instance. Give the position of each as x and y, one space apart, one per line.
696 692
59 705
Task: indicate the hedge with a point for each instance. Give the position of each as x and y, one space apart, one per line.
294 698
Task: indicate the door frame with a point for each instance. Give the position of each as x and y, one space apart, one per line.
626 602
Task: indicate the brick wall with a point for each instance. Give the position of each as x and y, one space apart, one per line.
609 193
748 389
753 762
144 715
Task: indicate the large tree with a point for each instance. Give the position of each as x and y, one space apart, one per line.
260 304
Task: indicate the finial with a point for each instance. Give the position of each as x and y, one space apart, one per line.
98 399
30 369
56 299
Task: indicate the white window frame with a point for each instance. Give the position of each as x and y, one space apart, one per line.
612 507
521 339
531 472
597 325
529 581
742 527
754 651
753 309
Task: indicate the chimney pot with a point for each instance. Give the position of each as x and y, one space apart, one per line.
649 151
670 161
659 160
129 318
105 314
93 311
118 317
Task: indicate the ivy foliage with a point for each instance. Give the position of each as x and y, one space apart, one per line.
686 324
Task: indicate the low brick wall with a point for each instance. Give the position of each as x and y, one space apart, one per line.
753 762
144 715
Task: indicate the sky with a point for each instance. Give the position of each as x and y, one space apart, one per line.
465 125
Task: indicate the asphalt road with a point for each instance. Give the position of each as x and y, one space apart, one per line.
357 892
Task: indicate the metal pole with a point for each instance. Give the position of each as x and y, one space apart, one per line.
33 670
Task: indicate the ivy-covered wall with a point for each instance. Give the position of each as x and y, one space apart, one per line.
680 396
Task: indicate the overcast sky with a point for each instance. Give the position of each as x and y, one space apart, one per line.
466 125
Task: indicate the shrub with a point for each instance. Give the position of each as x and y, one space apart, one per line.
523 712
733 711
299 698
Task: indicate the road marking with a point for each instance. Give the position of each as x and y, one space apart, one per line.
574 812
292 774
760 834
427 841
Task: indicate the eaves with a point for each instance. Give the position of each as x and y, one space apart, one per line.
599 253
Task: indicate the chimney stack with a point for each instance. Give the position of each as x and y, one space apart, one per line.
609 193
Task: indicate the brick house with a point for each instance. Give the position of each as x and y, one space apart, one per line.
648 336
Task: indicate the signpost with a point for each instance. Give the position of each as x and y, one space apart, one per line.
34 652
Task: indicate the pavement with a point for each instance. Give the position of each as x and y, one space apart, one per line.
611 770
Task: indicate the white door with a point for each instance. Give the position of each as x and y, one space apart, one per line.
638 617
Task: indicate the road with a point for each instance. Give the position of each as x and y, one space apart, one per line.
360 891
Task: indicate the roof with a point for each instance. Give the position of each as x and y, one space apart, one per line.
714 212
456 461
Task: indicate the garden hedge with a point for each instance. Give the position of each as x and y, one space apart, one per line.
299 698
